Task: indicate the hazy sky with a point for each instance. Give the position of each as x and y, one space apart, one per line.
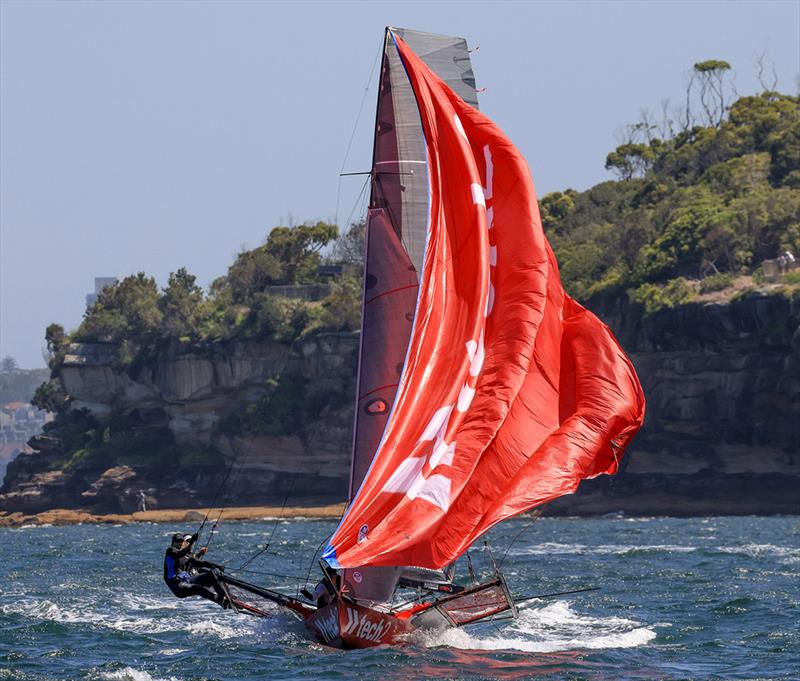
155 135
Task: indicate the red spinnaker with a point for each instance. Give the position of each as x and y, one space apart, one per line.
512 393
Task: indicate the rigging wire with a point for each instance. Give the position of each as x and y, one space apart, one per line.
274 527
311 564
534 517
353 133
219 489
361 199
314 555
266 574
226 498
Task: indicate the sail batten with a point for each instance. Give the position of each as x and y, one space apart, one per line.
512 393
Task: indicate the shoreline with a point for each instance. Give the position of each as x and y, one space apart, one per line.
65 516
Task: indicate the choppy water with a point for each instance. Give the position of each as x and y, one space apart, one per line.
715 598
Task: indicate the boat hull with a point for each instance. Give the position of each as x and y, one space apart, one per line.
346 624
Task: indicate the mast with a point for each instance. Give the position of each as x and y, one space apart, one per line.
396 231
395 239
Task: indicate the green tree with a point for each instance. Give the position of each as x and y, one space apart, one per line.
51 397
349 249
555 206
8 365
127 310
56 338
343 303
181 306
298 250
251 273
711 75
631 160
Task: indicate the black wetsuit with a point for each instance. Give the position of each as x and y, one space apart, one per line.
178 562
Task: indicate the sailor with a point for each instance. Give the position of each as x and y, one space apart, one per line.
325 591
187 575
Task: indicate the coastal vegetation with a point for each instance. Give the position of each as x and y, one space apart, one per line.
696 201
276 293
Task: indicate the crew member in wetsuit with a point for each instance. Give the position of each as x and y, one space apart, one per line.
179 560
325 592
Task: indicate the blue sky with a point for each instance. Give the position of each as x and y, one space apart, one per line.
155 135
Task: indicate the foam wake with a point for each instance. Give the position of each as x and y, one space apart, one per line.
192 620
130 674
552 628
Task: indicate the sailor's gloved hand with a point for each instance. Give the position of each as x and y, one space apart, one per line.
203 551
194 538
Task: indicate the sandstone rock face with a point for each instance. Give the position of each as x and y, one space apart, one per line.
192 390
114 487
190 393
722 433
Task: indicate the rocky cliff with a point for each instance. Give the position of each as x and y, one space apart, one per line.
194 400
722 433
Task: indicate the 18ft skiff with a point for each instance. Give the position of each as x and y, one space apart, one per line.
484 390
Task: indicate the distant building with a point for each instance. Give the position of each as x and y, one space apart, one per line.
19 421
330 271
99 284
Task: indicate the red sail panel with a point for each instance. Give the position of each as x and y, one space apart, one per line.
513 393
399 200
396 233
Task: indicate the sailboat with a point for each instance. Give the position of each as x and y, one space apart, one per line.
484 390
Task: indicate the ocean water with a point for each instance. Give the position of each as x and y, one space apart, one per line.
707 598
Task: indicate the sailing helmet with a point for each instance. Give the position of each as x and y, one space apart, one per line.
178 538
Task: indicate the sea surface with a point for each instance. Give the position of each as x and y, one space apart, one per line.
706 598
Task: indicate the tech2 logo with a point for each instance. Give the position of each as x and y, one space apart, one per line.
328 625
363 627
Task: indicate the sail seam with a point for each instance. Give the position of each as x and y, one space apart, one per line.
394 290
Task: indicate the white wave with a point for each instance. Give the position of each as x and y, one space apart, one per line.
554 548
547 548
122 620
130 674
137 602
207 627
555 627
789 554
173 651
622 550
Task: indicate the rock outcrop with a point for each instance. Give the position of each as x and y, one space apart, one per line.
722 433
189 395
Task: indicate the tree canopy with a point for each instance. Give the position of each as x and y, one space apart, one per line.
718 198
250 301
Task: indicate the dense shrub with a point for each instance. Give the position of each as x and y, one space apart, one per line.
716 282
724 196
655 297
